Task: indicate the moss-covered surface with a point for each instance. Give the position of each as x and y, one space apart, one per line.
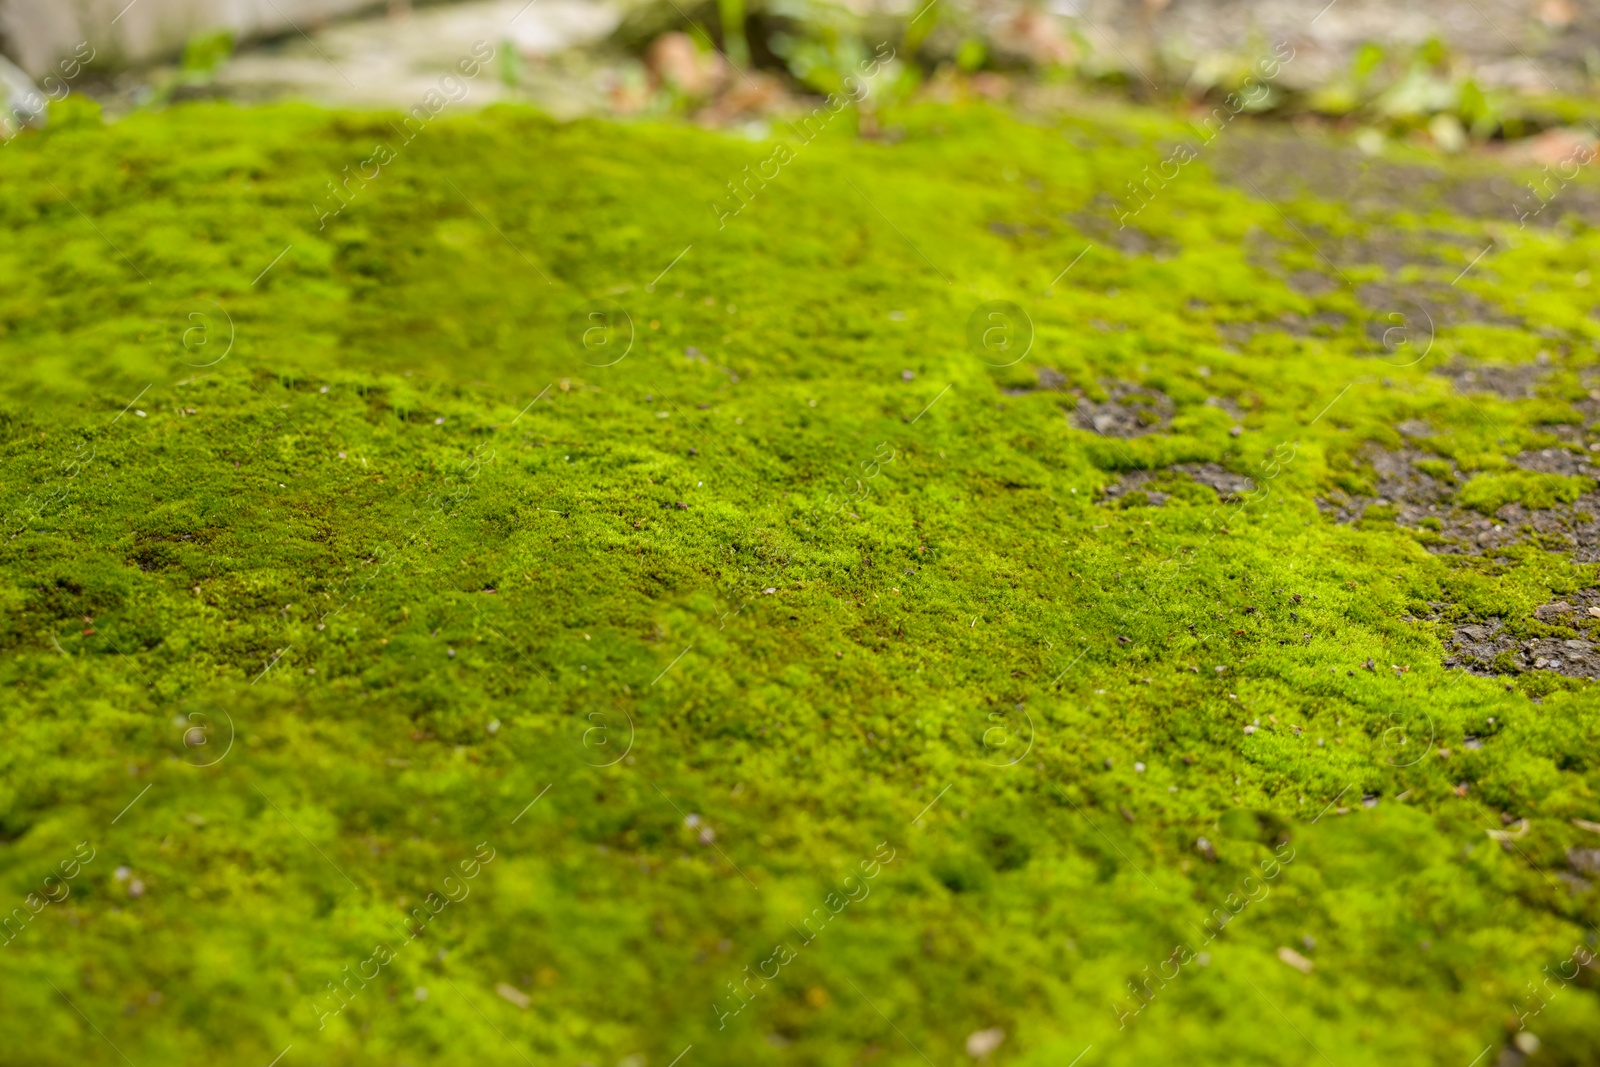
840 618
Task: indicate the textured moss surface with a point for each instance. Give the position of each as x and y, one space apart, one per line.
754 613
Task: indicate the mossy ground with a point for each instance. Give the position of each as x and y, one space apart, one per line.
355 541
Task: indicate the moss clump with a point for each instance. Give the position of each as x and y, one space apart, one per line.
1490 492
331 567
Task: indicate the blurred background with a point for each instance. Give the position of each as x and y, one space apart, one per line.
1460 75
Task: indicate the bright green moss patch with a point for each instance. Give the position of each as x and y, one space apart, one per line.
684 639
1489 492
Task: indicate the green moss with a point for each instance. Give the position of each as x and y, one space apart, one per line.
427 565
1436 468
1490 492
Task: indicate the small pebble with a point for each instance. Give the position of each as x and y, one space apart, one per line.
982 1042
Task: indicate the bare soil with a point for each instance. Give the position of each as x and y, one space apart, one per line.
1132 411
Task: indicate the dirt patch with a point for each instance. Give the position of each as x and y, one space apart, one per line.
1322 324
1422 501
1284 166
1418 308
1225 404
1134 482
1568 528
1099 224
1228 485
1158 487
1399 483
1130 412
1518 382
1048 378
1312 283
1487 647
1444 306
1467 533
1556 461
1583 433
1399 479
